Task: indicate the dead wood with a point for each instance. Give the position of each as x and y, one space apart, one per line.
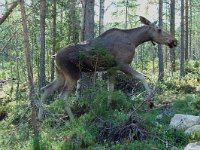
2 19
131 130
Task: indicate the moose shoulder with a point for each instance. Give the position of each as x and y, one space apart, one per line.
114 47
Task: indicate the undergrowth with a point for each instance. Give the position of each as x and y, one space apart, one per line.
100 126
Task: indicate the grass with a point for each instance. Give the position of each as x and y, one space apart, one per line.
174 96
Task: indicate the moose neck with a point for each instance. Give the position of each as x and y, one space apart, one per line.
140 35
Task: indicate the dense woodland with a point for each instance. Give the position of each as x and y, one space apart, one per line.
32 32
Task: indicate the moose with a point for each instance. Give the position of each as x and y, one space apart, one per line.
120 43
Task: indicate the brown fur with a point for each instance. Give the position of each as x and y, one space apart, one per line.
119 43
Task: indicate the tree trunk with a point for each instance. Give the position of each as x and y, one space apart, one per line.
101 27
88 20
32 94
87 33
166 28
182 69
186 30
160 52
76 26
190 37
54 39
101 17
153 57
72 19
142 57
42 43
172 32
126 15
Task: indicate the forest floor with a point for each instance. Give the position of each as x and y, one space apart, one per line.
127 124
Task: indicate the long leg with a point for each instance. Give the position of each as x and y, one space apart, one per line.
69 86
49 89
128 70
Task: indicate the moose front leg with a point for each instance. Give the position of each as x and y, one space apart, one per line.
128 70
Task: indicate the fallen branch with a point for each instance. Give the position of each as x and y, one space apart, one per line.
2 19
130 130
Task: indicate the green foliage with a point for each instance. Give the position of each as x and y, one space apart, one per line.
175 94
186 104
120 12
78 137
57 132
98 102
187 84
98 55
136 145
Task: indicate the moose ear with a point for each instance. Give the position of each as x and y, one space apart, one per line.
145 21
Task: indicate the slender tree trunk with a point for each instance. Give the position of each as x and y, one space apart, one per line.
172 32
186 30
75 24
72 25
18 81
126 15
142 58
54 39
160 52
154 56
190 37
101 27
166 28
42 43
32 94
182 68
101 17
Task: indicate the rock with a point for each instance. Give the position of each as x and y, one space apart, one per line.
192 130
174 148
192 146
181 121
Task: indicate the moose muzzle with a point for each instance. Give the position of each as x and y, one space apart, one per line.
173 43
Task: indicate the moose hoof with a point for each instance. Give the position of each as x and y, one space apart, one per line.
149 102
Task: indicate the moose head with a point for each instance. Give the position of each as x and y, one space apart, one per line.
158 35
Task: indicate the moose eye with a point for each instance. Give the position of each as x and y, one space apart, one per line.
159 30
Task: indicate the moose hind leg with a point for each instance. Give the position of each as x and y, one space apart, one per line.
69 86
49 89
